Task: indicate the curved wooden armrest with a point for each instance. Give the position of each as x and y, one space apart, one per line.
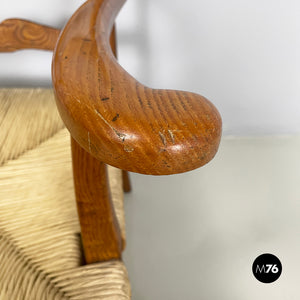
117 119
18 34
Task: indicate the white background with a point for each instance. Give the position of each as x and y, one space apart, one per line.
195 235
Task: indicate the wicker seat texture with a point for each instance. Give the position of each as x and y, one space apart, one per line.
40 251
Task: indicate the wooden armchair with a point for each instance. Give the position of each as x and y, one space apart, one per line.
113 120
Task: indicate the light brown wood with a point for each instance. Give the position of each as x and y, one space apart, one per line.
117 119
99 242
100 232
113 45
17 34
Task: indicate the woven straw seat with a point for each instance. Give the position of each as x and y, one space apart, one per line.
40 250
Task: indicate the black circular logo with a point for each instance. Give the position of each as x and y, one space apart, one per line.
267 268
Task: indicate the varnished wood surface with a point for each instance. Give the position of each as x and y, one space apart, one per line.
17 34
100 232
119 120
113 45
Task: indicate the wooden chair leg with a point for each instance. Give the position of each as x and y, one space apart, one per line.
126 182
101 237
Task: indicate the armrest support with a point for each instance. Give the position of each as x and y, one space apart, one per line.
119 120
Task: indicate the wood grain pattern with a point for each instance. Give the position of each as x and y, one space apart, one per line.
113 45
119 120
17 34
94 203
100 232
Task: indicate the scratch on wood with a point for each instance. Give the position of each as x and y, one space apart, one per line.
171 136
115 117
72 96
128 149
89 140
163 138
121 136
105 99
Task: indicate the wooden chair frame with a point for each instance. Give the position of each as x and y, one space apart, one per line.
112 118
